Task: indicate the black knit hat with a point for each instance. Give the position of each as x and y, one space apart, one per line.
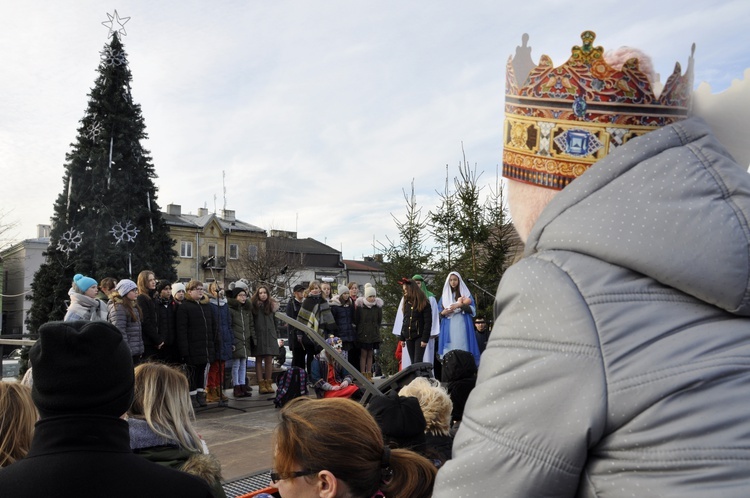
81 367
400 419
161 284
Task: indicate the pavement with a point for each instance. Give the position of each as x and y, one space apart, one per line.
241 440
241 435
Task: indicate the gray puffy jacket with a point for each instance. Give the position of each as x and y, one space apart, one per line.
129 328
619 364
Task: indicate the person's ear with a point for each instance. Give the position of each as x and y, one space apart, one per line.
327 484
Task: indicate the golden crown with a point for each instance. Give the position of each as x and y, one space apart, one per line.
561 120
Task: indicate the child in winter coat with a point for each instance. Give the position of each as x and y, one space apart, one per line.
195 333
83 302
330 379
243 328
368 317
342 309
125 314
224 358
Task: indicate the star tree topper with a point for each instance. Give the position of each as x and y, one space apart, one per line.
111 24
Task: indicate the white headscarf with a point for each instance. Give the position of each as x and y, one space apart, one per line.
447 298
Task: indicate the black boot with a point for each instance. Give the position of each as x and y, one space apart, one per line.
201 397
194 401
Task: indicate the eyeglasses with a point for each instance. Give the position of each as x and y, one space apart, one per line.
276 477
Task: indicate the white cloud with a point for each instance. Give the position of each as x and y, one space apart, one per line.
319 112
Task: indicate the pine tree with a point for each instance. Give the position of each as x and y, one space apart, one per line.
402 258
106 221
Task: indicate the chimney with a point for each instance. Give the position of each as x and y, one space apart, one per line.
42 231
202 212
174 209
227 214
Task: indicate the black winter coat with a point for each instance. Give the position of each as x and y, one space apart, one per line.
343 315
196 332
166 317
417 324
90 456
149 325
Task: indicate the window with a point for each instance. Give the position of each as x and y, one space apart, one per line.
234 251
186 249
252 252
211 250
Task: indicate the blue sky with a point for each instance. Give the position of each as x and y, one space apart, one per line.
318 113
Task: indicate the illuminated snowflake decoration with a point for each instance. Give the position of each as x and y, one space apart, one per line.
69 241
112 58
94 131
124 232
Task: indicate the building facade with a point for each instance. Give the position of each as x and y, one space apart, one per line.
20 263
207 243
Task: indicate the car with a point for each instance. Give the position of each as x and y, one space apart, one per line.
277 366
12 365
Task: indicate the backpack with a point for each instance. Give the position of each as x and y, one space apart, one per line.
291 384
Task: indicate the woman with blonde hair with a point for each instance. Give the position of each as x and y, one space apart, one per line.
436 407
17 418
333 447
161 424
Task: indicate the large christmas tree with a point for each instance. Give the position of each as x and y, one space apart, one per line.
106 222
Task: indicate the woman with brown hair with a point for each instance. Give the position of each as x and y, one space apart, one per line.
266 337
417 323
17 421
333 447
152 340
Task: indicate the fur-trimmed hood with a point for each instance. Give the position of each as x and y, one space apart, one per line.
204 299
361 301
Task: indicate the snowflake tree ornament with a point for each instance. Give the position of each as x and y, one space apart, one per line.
69 241
112 57
126 232
94 131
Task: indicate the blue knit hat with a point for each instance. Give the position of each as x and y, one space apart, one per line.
83 283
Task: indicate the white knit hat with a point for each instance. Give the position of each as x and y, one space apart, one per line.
124 286
177 287
370 291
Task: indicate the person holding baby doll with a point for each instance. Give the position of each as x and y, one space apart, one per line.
456 309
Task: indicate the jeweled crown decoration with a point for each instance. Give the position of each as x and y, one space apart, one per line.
561 120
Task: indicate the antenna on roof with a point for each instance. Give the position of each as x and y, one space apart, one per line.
224 186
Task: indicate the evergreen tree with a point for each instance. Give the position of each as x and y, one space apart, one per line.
402 258
459 226
473 237
106 221
497 251
442 226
